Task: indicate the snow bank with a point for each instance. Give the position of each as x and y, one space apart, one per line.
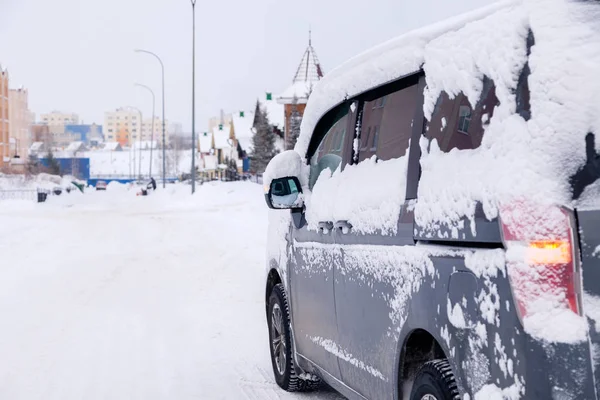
40 181
115 186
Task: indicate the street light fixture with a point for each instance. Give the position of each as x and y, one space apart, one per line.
152 134
193 95
162 66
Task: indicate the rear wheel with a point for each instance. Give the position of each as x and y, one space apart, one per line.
281 344
435 381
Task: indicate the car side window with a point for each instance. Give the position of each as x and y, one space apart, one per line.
454 122
330 152
387 124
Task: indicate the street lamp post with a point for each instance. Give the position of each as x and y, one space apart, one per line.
162 66
193 95
152 134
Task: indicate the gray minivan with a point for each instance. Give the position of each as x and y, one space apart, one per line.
442 238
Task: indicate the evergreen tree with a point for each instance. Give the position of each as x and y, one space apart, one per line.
53 165
263 142
32 164
295 121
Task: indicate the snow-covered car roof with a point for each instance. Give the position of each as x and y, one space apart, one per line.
384 63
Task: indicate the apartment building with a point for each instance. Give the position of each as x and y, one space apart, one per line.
4 119
59 118
20 121
126 126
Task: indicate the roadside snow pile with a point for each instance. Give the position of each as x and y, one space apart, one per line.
115 186
40 181
14 182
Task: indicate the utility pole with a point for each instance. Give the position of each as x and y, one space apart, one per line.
162 66
193 96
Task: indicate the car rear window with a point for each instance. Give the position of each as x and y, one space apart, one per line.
456 124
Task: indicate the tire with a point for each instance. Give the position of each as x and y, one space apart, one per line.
280 345
435 381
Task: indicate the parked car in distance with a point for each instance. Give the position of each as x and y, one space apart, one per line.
101 185
435 233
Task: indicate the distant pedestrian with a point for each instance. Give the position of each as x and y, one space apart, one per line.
153 182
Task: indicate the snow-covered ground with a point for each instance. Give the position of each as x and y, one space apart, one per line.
106 295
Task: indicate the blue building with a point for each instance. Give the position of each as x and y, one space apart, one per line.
88 134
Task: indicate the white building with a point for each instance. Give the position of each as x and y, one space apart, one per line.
147 132
205 142
242 124
20 122
59 118
224 144
126 126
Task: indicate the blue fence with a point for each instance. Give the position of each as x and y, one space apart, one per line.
94 181
78 167
125 179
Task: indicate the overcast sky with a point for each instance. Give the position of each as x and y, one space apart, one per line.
77 55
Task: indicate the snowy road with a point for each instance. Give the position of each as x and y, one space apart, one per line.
109 296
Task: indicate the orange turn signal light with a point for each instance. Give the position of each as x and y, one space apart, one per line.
549 252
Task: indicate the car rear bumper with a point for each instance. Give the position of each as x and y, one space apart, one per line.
556 371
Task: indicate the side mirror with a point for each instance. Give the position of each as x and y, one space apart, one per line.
284 193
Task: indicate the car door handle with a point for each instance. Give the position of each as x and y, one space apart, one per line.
343 226
325 227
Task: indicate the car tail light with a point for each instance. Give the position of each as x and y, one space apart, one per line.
542 261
